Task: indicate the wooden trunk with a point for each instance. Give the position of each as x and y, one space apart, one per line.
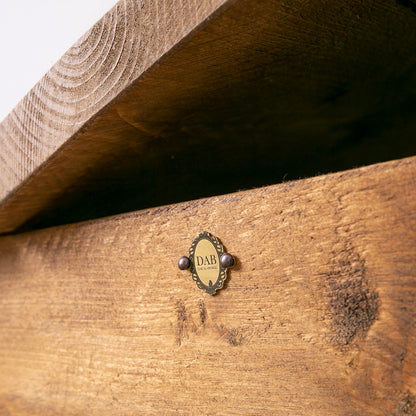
164 102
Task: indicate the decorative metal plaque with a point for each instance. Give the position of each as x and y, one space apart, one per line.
205 261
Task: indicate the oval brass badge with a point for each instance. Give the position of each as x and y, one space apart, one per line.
204 255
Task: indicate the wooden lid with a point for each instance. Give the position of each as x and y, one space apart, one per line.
156 106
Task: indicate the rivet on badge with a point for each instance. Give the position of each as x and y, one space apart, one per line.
208 263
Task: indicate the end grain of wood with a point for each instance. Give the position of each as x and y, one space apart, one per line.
118 49
317 317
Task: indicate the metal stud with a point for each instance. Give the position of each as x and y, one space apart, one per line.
227 260
184 263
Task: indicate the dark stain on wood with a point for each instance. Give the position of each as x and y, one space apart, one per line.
234 336
202 312
181 321
406 406
353 304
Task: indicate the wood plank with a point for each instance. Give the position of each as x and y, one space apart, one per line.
317 318
117 50
153 95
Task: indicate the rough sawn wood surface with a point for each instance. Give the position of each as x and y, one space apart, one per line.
317 318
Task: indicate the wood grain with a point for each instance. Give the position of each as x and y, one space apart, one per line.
117 50
159 92
317 317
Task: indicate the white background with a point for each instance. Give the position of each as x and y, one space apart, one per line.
33 35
